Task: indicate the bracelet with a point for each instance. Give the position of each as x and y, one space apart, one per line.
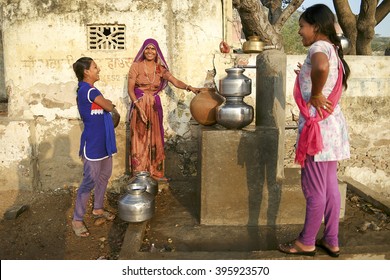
187 88
316 96
135 101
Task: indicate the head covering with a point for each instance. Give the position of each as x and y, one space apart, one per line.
160 60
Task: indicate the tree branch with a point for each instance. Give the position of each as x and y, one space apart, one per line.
382 11
254 20
287 12
345 16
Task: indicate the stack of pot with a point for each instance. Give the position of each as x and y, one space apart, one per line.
235 113
138 203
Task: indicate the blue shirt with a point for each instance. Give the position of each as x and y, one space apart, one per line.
93 138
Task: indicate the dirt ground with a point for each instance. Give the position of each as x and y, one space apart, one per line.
43 231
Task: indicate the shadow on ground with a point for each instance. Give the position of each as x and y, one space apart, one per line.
174 232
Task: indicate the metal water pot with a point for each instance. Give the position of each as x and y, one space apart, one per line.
143 177
116 117
235 113
137 205
345 43
253 45
235 83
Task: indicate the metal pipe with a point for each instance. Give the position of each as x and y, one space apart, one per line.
247 66
291 127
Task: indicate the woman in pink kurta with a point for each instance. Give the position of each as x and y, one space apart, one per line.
322 131
148 76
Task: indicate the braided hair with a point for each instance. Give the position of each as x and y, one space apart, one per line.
80 65
322 17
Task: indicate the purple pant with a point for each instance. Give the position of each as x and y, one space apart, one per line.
321 191
96 175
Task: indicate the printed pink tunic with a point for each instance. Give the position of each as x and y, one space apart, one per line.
334 129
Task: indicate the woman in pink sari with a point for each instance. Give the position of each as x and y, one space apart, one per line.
148 76
322 131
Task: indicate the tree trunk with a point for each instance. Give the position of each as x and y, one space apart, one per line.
366 26
382 11
360 29
254 20
347 21
265 22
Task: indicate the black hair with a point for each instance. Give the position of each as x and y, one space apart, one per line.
322 17
80 65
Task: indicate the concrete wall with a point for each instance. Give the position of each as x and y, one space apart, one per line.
41 40
40 136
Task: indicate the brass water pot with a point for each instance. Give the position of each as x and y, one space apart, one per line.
253 45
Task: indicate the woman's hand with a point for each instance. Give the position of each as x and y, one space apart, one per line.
142 113
193 89
320 102
299 65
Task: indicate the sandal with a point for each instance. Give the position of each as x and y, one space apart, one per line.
290 246
80 231
106 215
323 245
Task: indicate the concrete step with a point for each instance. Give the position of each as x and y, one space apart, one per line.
135 232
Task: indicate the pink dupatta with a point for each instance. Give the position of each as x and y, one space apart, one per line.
310 140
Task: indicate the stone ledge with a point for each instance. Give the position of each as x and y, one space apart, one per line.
376 199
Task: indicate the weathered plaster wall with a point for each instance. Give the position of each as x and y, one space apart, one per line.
42 39
17 154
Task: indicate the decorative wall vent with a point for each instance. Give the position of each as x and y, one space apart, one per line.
106 36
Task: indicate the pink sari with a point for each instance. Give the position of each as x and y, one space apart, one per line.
147 139
310 140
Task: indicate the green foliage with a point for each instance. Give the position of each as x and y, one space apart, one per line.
291 40
379 45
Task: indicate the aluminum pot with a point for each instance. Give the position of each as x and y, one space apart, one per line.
137 205
235 83
143 177
234 114
345 43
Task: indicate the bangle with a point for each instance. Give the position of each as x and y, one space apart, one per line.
187 88
135 101
316 96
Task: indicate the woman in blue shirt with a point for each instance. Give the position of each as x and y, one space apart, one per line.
97 144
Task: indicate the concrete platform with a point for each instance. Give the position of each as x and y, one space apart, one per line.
177 234
240 184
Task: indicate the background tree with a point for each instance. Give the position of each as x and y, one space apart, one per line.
266 18
360 29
